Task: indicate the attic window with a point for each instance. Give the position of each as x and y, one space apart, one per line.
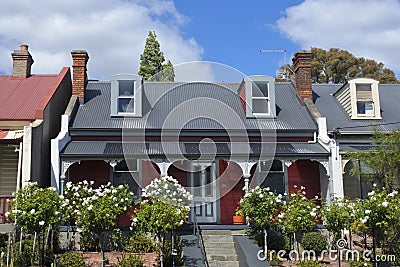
260 97
126 96
259 94
365 103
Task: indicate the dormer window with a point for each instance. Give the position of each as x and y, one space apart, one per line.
360 98
260 96
365 103
126 95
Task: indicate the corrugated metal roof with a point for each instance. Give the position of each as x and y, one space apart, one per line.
20 98
389 95
114 149
192 106
11 135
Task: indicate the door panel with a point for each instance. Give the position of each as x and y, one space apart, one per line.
202 185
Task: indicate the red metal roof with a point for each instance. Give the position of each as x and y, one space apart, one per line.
25 99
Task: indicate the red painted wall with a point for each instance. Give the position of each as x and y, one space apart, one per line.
305 173
150 171
91 170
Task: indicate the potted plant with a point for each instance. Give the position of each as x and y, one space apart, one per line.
239 217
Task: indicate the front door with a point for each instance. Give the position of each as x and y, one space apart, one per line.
202 185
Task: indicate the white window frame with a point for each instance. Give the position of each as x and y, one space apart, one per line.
250 83
136 97
376 114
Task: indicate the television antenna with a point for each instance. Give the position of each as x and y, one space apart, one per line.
285 74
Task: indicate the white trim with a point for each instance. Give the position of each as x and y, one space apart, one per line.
375 99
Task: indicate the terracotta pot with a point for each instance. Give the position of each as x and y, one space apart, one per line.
238 219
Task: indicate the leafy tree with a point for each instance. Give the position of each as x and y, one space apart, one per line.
339 66
383 158
152 59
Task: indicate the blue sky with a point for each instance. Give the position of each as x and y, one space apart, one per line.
234 32
229 32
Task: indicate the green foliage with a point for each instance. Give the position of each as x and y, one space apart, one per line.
165 209
383 158
151 61
25 257
339 215
131 261
339 66
261 206
140 243
310 263
360 263
35 209
314 241
71 259
300 214
178 259
97 210
89 242
276 239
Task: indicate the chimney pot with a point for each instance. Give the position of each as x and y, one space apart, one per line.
302 70
24 47
79 67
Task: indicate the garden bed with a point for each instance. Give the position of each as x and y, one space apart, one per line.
94 258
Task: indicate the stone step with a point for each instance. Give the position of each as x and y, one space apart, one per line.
219 244
217 238
216 232
223 264
222 257
221 251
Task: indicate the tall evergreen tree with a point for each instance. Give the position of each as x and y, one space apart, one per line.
152 59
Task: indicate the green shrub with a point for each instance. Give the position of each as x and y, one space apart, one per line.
276 239
311 263
88 242
71 259
140 243
314 241
360 263
168 249
131 261
23 258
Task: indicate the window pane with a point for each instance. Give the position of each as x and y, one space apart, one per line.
125 105
126 88
123 166
259 89
275 181
364 92
366 108
128 178
260 106
209 184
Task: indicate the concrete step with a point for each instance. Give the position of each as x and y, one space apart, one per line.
222 257
222 251
219 244
216 232
223 264
217 238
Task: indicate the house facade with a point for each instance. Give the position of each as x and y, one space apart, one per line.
354 111
30 108
218 140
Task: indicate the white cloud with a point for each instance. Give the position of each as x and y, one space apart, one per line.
112 31
366 28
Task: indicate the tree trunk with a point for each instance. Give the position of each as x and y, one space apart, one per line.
102 250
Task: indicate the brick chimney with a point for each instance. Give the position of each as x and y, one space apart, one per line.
22 62
302 70
79 80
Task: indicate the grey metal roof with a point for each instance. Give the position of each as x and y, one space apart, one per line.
192 106
389 96
117 149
